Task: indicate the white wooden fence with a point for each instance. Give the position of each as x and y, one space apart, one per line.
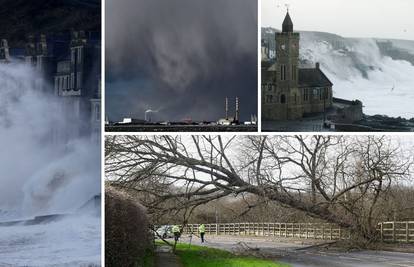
397 231
293 230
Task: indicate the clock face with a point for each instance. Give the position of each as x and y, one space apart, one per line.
283 47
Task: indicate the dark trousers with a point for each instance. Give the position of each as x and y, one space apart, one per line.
176 236
202 237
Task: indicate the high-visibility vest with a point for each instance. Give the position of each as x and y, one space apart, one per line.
176 229
202 228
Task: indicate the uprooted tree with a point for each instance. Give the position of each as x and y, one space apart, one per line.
339 179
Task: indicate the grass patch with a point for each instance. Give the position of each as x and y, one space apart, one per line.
147 260
199 256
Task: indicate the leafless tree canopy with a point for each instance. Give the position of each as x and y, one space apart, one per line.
340 179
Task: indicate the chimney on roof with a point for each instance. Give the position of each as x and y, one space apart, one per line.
317 65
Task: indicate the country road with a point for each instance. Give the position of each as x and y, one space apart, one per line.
297 255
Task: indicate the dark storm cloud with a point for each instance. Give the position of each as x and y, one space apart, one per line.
182 57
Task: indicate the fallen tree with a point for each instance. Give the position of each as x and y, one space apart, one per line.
339 179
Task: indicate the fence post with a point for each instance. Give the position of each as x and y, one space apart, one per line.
323 231
382 235
330 229
307 231
407 232
393 231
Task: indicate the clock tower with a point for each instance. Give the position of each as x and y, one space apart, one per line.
287 60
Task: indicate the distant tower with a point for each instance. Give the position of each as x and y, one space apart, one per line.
287 59
4 51
236 118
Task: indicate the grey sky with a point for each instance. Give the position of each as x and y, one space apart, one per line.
349 18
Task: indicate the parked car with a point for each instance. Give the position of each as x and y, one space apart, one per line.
164 231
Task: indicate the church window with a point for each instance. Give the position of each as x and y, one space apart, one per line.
268 99
283 99
282 72
306 94
315 94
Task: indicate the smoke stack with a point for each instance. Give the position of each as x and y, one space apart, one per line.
237 110
227 108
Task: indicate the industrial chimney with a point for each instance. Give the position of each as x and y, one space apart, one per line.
236 118
227 108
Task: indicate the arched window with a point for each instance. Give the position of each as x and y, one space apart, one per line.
283 99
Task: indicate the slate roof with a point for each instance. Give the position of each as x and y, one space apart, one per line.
313 78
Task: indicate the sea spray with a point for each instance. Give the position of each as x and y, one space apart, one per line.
40 171
359 70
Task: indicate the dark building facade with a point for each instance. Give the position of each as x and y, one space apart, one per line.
68 66
290 92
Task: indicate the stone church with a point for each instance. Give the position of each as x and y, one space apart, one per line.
288 91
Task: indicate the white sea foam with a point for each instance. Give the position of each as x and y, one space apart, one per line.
44 173
384 85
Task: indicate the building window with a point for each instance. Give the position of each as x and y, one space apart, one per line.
326 93
306 94
320 93
283 99
296 99
282 72
315 94
269 98
79 54
73 55
269 87
72 80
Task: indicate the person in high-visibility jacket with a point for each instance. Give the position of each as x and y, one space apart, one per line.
176 232
202 231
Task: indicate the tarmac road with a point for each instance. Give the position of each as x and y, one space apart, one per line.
297 255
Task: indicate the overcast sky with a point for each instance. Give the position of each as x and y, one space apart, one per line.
180 58
349 18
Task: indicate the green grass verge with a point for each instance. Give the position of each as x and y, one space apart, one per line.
199 256
147 260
